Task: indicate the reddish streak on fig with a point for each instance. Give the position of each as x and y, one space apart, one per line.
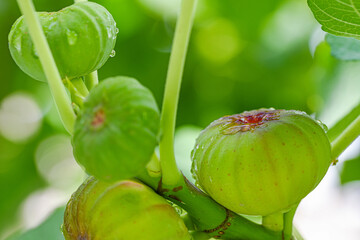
99 119
248 121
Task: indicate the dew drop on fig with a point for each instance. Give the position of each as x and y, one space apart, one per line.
113 53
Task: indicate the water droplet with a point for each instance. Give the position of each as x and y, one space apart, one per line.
113 53
71 37
116 30
323 125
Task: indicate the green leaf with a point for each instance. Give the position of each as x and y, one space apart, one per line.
49 229
350 171
338 17
344 48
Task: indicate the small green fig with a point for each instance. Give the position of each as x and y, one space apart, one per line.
124 210
117 130
261 162
81 38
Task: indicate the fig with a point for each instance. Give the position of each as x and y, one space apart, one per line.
116 132
261 162
123 210
81 38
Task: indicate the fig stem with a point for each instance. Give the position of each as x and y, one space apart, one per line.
171 174
52 74
207 215
153 168
343 123
80 86
92 80
77 97
348 135
274 222
288 223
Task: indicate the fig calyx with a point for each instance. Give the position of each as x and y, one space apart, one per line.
261 162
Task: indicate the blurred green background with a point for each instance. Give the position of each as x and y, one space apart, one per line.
243 55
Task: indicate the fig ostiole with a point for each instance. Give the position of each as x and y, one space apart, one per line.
81 37
261 162
125 210
117 130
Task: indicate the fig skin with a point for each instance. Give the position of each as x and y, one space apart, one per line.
81 38
125 210
117 130
261 162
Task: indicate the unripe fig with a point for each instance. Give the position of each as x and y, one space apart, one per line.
125 210
81 38
117 130
261 162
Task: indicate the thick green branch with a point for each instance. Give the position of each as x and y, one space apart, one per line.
52 74
343 123
171 174
345 138
208 216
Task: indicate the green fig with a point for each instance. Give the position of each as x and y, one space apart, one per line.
81 37
117 130
124 210
261 162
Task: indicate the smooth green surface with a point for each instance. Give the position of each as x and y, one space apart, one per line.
340 18
117 131
81 37
344 48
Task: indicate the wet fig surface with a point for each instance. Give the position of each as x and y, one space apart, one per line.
117 130
124 210
261 162
81 37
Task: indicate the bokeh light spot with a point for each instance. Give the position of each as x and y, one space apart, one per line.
20 117
218 41
56 164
